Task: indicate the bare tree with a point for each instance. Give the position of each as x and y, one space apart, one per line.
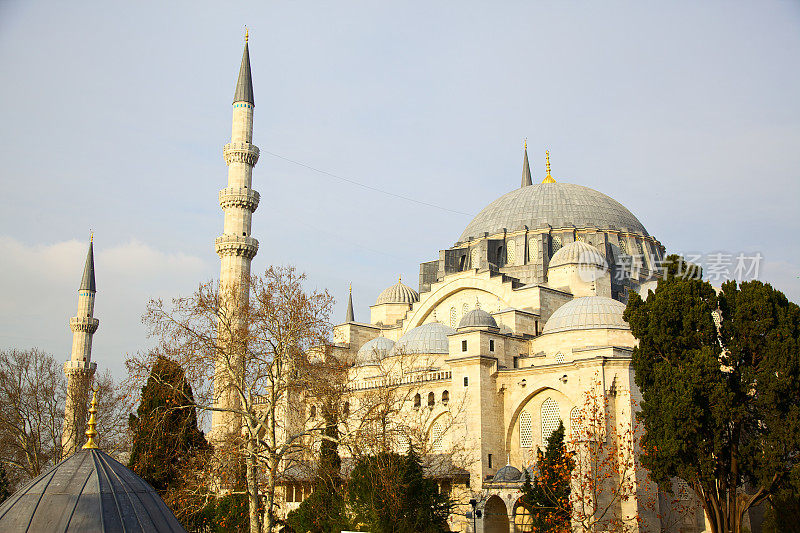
32 399
247 358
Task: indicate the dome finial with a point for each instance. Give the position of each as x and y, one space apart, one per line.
91 236
91 432
400 278
246 34
548 178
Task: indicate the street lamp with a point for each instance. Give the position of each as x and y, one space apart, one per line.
476 513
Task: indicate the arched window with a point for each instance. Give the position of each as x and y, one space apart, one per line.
623 247
533 250
499 256
576 424
313 411
555 244
473 259
431 399
445 397
559 357
453 317
551 417
346 409
417 400
525 430
462 262
511 252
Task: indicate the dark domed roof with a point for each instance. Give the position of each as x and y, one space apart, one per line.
577 253
559 205
87 491
373 351
587 312
507 474
478 318
427 338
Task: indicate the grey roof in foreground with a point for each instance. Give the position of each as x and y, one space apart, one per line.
560 205
87 491
587 312
87 281
478 318
244 85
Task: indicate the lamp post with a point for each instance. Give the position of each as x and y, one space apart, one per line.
476 513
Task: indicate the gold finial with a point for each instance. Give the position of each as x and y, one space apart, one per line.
548 178
351 287
91 236
91 433
246 34
400 278
525 144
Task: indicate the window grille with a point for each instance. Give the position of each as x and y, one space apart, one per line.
453 316
555 244
576 424
525 430
465 309
559 357
473 258
533 250
580 238
550 419
683 490
437 437
623 247
511 252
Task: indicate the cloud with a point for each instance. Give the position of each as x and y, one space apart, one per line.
39 284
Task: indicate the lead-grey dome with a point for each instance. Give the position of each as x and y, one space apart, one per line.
427 338
478 318
559 205
87 491
588 312
507 474
399 293
578 253
373 351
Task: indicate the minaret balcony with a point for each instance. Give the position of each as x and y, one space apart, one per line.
236 245
239 197
246 153
79 367
86 324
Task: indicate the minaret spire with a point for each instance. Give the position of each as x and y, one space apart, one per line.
236 247
526 168
350 317
548 178
80 368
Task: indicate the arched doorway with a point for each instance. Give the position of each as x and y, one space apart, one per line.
522 519
495 516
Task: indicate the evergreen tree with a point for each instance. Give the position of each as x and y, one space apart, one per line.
324 511
547 497
720 406
5 485
389 493
165 431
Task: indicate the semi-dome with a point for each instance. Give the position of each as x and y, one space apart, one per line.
559 205
399 293
427 338
588 312
578 253
478 318
507 474
373 351
87 491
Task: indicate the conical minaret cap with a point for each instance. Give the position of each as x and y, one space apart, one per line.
350 317
87 281
244 85
526 169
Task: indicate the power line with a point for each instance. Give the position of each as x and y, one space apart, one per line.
363 185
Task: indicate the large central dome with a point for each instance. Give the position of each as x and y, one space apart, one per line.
561 205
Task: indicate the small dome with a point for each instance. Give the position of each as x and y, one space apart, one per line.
589 312
578 253
507 474
373 351
427 338
399 293
478 318
87 491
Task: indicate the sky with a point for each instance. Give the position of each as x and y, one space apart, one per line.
114 116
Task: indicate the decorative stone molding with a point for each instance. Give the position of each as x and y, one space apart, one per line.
236 245
240 153
79 367
84 323
239 197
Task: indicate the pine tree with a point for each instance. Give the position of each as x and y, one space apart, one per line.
547 496
425 508
165 431
720 404
5 485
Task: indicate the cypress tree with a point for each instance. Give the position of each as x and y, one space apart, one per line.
165 431
547 497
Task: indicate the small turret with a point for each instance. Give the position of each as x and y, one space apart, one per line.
244 85
526 168
350 317
87 281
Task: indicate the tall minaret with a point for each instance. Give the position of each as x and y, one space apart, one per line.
235 247
80 369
